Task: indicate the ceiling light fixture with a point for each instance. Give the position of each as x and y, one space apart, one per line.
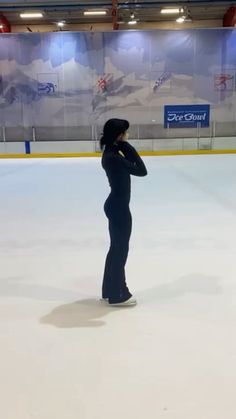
60 24
95 13
132 22
31 15
171 11
180 19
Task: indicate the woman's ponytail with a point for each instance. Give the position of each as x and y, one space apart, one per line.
102 142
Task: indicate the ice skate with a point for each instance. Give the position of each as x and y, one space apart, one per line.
131 301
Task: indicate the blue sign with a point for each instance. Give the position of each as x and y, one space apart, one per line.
186 116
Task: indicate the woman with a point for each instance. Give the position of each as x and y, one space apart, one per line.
119 160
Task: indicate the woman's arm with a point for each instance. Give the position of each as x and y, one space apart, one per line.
132 161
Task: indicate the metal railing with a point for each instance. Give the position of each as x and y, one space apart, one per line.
146 135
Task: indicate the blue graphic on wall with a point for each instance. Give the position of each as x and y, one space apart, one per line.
161 80
83 78
186 116
47 83
46 88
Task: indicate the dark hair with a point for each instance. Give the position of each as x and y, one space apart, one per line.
111 130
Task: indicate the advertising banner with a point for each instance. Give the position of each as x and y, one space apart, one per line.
186 116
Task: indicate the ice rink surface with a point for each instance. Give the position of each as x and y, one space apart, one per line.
65 355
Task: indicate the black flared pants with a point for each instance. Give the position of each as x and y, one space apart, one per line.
120 226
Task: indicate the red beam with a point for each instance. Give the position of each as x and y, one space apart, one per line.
230 17
115 15
4 24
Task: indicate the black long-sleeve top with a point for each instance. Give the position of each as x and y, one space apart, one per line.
119 167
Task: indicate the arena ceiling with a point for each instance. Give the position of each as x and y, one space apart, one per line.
72 11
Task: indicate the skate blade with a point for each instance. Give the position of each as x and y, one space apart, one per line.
124 304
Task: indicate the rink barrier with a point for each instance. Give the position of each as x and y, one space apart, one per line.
142 153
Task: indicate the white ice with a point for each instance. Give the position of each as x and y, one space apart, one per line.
65 355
